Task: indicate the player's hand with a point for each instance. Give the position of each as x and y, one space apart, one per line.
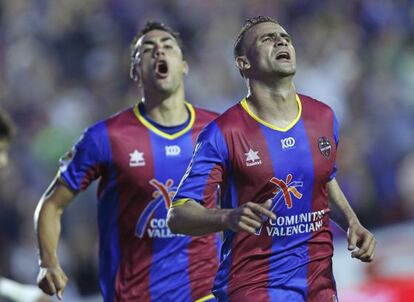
249 216
361 242
52 280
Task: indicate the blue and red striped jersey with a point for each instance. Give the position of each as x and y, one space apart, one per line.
289 259
139 167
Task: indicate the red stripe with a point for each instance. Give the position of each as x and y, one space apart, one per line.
202 265
318 120
203 117
250 254
126 134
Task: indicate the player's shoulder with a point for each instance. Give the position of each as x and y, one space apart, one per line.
223 122
99 128
310 103
232 114
124 116
313 109
206 113
204 116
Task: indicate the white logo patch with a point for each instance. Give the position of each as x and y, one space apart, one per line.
252 158
136 159
173 150
288 143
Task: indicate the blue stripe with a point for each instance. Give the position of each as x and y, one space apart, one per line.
169 276
211 150
336 138
287 267
109 248
229 201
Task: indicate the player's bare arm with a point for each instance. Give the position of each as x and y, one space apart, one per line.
51 278
360 241
193 219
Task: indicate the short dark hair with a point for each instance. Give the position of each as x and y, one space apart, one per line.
7 128
154 25
248 24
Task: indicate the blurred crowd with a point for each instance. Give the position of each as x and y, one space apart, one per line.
64 65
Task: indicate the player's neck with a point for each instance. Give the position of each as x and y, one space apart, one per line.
167 110
275 103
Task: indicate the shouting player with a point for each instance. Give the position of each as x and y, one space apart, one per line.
273 155
140 156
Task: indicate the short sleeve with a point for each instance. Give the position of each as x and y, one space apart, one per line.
80 166
203 180
336 138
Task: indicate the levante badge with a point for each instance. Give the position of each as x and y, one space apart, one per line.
324 146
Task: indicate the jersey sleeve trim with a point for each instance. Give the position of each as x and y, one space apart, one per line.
179 202
162 133
205 298
62 181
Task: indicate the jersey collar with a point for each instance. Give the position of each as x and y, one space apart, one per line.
243 103
162 133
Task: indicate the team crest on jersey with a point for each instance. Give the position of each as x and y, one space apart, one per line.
324 146
157 226
252 158
136 159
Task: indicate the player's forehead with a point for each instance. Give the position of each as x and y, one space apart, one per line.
263 29
155 36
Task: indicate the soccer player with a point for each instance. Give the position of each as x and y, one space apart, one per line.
273 155
139 155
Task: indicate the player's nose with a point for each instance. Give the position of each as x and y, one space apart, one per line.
158 51
280 41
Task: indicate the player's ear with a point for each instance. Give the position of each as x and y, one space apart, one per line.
242 63
185 68
134 73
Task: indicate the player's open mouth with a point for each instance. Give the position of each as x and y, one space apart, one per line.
283 55
161 69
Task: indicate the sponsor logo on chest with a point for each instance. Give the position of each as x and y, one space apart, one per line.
150 224
172 150
288 143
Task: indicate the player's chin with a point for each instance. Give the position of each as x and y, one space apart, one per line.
288 71
164 86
